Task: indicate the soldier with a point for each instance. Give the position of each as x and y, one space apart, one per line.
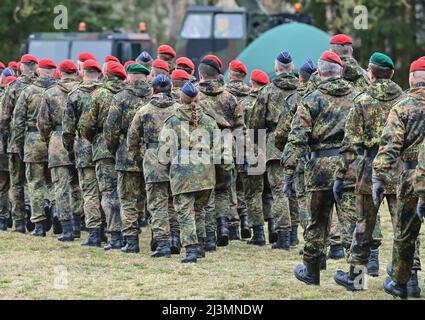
131 188
187 65
4 176
179 77
78 100
145 59
166 53
145 129
28 66
91 128
420 182
106 61
27 141
159 67
318 127
401 138
265 115
62 168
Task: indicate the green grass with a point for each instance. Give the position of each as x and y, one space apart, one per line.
29 267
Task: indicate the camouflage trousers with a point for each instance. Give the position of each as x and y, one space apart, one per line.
67 192
36 175
107 181
232 212
4 191
302 200
242 210
132 195
91 196
17 182
191 220
209 213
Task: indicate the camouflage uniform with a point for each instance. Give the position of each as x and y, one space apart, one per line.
401 138
318 126
144 131
62 168
420 173
131 187
355 75
27 139
4 175
78 100
91 128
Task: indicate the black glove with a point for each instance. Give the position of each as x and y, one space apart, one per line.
228 177
377 191
420 210
337 190
288 188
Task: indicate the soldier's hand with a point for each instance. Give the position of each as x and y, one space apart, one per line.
337 189
420 210
288 187
377 191
228 177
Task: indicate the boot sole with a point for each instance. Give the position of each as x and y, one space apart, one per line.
373 274
394 295
348 288
306 282
245 234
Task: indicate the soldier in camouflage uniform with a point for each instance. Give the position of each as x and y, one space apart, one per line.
265 115
420 182
144 131
91 128
62 168
4 179
145 59
26 140
131 187
402 138
166 53
29 65
184 63
315 131
179 77
74 142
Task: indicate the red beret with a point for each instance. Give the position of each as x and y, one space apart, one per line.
128 63
183 61
47 64
166 49
68 66
179 74
13 65
84 56
10 79
2 66
238 66
214 58
341 39
161 64
92 64
28 58
260 76
418 65
110 58
331 57
117 69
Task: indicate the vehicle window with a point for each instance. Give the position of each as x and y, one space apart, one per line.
228 26
136 49
197 26
100 49
55 50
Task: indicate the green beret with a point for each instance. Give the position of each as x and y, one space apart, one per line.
382 60
137 69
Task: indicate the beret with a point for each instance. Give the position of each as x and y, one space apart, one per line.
179 74
2 66
117 69
238 66
84 56
13 65
10 79
8 72
260 76
137 68
28 58
92 64
129 62
189 89
47 64
418 65
331 56
161 64
144 57
68 66
166 49
183 61
162 81
308 67
213 62
284 57
214 58
382 60
341 39
110 58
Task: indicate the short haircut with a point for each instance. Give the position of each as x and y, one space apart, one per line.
31 65
342 50
258 84
165 56
419 75
158 71
285 67
380 72
305 76
329 69
188 70
159 89
178 83
208 72
238 75
92 72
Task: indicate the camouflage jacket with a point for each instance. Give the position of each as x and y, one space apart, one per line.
24 133
49 121
269 107
121 113
144 132
354 74
78 100
92 119
319 125
420 173
363 131
4 164
401 138
239 89
194 171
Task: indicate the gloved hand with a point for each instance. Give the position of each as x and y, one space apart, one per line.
420 210
337 190
228 177
288 187
377 191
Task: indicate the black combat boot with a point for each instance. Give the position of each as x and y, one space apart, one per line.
293 239
154 243
245 230
29 224
308 273
56 224
132 244
67 231
10 221
162 250
3 224
258 239
271 227
103 236
76 221
115 242
234 233
191 254
352 280
201 248
336 252
175 245
94 238
210 242
393 288
222 232
373 263
39 230
413 289
48 214
20 226
83 226
282 240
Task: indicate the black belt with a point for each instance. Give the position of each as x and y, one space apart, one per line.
152 145
369 153
410 165
32 129
325 153
58 128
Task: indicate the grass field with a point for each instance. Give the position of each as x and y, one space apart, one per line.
33 268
